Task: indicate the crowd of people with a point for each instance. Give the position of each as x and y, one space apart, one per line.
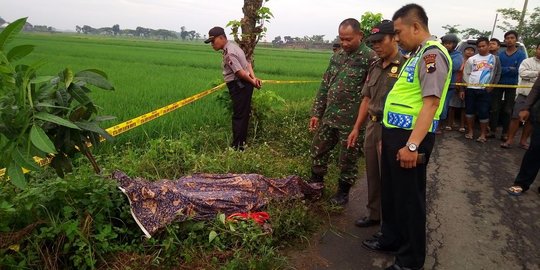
403 102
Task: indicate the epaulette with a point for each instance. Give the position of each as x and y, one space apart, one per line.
375 62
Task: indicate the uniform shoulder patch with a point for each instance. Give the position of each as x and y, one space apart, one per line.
429 61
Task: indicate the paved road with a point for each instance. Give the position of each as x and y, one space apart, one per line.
472 222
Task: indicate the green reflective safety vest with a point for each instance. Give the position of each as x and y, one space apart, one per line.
404 101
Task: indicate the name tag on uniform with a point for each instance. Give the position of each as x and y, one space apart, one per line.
392 75
393 72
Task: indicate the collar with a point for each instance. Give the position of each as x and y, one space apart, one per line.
395 61
357 51
423 44
225 47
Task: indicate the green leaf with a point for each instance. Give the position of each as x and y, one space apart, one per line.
41 141
19 52
222 218
231 227
103 74
105 118
55 119
62 97
5 70
91 126
11 31
79 95
24 160
16 175
48 105
68 77
41 79
94 78
212 236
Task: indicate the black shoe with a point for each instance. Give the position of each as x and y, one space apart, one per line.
316 178
397 267
374 245
342 195
340 198
366 222
377 235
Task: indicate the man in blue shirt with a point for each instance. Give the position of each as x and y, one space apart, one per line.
511 58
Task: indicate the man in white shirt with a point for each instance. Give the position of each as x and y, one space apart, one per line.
528 72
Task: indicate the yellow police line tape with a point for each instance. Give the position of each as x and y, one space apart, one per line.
493 85
147 117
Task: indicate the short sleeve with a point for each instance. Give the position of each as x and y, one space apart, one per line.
233 62
433 72
371 78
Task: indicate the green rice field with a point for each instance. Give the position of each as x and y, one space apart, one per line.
150 74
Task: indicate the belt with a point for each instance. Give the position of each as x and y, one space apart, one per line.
375 118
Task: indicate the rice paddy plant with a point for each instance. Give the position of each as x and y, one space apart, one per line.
151 74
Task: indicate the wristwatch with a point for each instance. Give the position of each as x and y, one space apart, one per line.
412 146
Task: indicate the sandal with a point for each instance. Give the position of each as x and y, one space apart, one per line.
449 128
469 136
506 145
524 146
481 140
515 190
462 130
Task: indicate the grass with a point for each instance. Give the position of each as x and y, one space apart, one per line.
151 74
87 221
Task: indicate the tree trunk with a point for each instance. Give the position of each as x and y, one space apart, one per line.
250 30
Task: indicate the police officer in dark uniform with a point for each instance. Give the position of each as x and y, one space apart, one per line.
410 118
530 165
381 77
240 78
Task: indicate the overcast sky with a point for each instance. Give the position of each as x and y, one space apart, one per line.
291 17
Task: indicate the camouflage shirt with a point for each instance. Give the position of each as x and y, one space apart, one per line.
339 95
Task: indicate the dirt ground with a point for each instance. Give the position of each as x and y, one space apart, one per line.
472 222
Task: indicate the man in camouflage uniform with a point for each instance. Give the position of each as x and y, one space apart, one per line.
336 107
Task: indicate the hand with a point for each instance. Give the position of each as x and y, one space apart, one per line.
258 83
407 159
524 115
313 123
462 95
353 136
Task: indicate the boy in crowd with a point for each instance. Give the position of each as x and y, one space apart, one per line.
479 69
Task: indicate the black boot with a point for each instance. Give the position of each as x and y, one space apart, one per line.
316 178
342 195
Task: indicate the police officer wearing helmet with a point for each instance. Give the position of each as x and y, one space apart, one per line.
410 116
240 78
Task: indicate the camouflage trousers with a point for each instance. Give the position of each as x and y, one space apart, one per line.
325 139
